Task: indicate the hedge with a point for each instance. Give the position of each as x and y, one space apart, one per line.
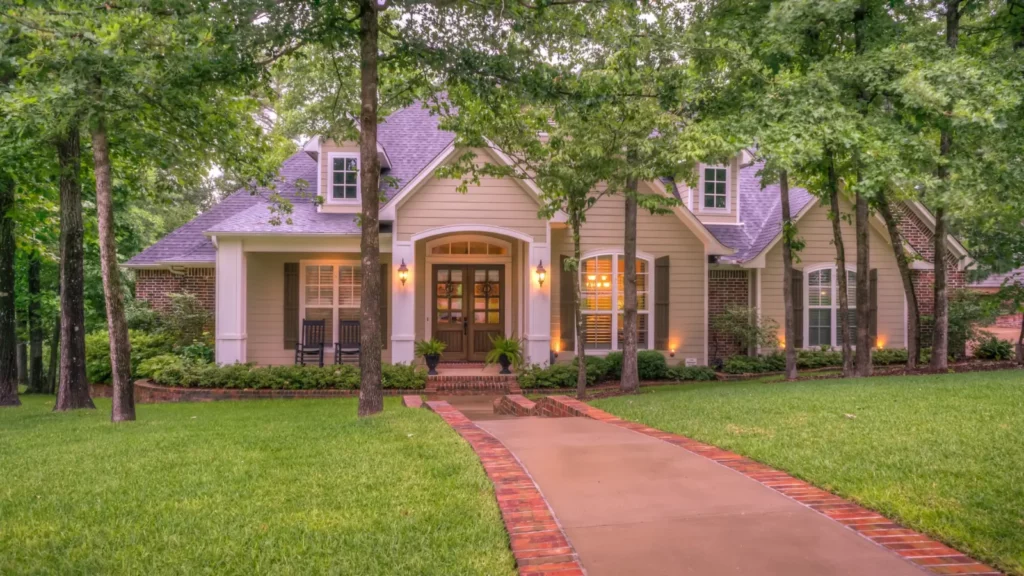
809 360
651 366
145 345
187 374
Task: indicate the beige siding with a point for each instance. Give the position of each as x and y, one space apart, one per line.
816 230
265 305
696 199
661 235
495 202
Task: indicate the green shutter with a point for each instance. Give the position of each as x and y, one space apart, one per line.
385 295
873 300
798 308
291 305
566 310
661 302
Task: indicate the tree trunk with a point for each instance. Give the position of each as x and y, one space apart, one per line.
630 372
52 371
35 328
787 276
575 221
8 331
1020 343
903 263
73 388
843 330
940 327
864 343
123 405
371 395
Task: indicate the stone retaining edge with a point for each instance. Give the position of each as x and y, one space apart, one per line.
927 553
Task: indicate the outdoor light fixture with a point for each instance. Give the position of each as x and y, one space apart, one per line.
403 272
672 352
542 274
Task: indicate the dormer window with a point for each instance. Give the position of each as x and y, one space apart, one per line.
715 187
344 178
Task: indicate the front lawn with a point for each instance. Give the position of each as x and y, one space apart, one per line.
282 487
940 454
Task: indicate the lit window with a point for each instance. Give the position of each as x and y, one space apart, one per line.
823 307
332 292
716 186
344 178
599 289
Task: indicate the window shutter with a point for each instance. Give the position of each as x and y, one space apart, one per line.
798 307
661 303
385 295
873 298
566 310
291 305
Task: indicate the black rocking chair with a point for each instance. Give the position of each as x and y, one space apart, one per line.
312 343
348 342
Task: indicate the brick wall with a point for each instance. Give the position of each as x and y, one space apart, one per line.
156 286
917 234
725 288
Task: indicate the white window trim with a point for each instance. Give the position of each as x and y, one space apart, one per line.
615 298
835 303
335 298
329 190
728 189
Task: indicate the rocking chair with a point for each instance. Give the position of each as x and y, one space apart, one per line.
348 342
312 343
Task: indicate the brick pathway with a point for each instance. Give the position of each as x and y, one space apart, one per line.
631 502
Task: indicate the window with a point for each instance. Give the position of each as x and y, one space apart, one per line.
823 307
603 282
331 292
715 183
344 177
469 247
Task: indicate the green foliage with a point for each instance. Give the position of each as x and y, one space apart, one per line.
825 357
992 348
186 319
197 351
247 376
145 345
555 376
747 327
140 316
650 364
690 374
154 368
510 348
432 347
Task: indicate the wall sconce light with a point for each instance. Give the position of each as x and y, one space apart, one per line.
403 272
542 274
672 352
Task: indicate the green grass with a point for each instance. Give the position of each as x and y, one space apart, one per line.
255 487
942 454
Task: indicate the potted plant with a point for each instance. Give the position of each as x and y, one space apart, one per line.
506 352
431 351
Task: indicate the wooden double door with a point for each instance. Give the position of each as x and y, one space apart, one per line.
469 309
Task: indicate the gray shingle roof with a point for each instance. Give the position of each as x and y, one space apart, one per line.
410 137
760 215
997 280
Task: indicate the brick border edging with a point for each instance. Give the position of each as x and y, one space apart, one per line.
147 392
539 545
925 552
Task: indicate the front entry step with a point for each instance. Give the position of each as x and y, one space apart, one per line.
472 384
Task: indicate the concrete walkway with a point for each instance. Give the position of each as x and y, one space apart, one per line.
632 504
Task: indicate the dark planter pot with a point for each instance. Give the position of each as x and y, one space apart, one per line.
505 363
432 360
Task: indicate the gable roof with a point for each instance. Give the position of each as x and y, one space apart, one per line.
411 138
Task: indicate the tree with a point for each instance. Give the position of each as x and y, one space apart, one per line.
788 233
8 337
35 326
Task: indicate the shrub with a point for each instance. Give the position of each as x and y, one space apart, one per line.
145 345
186 320
556 376
889 356
650 365
745 326
992 348
689 373
198 350
140 316
154 367
344 377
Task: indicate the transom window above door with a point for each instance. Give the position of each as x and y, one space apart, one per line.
468 247
715 188
344 177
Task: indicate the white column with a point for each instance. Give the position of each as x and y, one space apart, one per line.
231 298
538 337
403 302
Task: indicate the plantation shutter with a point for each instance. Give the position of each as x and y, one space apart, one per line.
798 307
291 305
385 294
661 303
873 299
566 310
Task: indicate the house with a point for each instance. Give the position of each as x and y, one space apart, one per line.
473 260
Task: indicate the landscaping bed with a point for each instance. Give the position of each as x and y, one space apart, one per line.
242 488
942 454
